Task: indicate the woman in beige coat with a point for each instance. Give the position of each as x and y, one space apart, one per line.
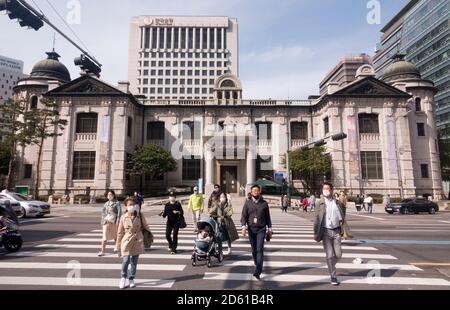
111 213
130 240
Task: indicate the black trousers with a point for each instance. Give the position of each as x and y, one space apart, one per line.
173 242
257 238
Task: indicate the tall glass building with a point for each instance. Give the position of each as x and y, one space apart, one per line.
421 32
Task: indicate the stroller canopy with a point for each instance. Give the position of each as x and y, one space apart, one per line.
209 221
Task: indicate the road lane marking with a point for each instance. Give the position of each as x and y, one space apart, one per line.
416 242
326 279
44 219
94 255
400 230
84 282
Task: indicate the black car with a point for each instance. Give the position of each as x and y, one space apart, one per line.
413 205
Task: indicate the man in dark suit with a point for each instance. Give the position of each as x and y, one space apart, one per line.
256 220
327 228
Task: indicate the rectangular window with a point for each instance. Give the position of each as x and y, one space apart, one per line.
368 123
205 38
28 171
183 39
161 38
191 169
83 166
129 127
191 38
326 125
169 38
197 38
154 37
371 166
264 167
299 131
176 36
264 130
87 123
421 129
192 130
155 131
424 171
211 39
219 38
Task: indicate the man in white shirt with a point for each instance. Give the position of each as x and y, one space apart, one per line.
327 228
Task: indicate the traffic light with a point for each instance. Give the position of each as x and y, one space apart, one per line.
339 136
87 65
16 10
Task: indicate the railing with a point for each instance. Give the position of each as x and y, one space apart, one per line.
296 143
191 142
264 143
85 136
156 142
237 102
369 136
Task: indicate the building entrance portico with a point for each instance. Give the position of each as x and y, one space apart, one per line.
229 176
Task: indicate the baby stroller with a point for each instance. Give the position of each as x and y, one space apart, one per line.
210 245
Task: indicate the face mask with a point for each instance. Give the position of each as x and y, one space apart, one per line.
256 197
223 200
326 193
132 209
172 199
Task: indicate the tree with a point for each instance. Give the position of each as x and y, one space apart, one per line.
43 123
313 166
17 135
151 160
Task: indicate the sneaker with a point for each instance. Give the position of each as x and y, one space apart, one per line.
334 282
173 252
122 285
169 249
229 252
100 254
132 284
257 276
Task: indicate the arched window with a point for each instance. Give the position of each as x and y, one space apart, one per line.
418 102
227 83
34 103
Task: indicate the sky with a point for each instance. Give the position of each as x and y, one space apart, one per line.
286 47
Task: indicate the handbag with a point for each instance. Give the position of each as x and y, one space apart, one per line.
182 222
345 231
148 236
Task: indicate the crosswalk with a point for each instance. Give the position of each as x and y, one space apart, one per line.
292 259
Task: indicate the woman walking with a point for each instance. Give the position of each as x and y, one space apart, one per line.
130 240
173 211
111 213
222 211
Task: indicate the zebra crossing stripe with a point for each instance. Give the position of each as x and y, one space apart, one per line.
243 253
26 265
94 255
326 279
279 264
83 282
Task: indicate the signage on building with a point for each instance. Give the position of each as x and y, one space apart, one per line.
158 21
10 64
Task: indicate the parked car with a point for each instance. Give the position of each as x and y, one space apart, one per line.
413 205
28 206
14 205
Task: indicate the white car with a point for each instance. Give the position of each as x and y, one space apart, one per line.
28 206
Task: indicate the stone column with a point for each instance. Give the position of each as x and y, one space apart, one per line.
157 37
209 170
208 46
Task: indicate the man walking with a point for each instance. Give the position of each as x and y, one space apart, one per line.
312 202
256 220
327 228
369 204
196 205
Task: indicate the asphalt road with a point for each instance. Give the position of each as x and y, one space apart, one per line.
397 252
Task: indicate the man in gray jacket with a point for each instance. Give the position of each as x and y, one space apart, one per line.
327 228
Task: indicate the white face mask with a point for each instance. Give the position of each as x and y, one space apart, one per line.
223 200
326 193
132 209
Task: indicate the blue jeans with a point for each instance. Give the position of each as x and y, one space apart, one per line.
127 260
257 239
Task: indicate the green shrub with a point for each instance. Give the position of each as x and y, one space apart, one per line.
43 198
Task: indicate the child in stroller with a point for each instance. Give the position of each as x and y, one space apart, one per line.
208 243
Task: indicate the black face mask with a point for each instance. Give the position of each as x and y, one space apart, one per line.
256 197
